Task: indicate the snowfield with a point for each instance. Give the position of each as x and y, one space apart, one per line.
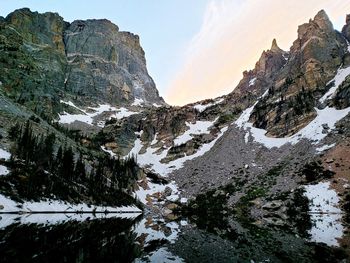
153 156
152 159
313 131
88 117
197 128
338 79
325 214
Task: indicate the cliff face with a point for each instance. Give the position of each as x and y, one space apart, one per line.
346 28
106 63
47 59
313 61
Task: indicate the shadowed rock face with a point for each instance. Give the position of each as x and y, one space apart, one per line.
346 28
50 58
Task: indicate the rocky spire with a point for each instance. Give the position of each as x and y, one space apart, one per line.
275 47
322 20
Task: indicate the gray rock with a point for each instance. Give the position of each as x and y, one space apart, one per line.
167 191
106 63
273 205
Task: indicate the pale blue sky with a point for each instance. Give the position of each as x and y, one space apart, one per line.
197 49
165 27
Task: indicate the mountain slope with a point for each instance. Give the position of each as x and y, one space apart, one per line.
256 147
47 64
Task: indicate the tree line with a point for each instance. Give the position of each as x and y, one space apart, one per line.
101 175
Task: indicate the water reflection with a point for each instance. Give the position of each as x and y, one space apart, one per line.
153 234
92 240
86 238
115 238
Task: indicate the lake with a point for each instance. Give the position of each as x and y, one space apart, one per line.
150 238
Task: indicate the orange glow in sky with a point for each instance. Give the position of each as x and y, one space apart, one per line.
232 38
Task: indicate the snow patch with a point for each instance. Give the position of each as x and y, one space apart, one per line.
183 200
4 170
252 82
338 79
325 214
152 158
203 107
138 102
313 131
157 188
123 113
325 147
157 105
5 155
108 151
88 117
200 127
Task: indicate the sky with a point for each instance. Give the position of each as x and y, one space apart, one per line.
197 49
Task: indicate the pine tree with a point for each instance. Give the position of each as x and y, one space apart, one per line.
67 168
79 171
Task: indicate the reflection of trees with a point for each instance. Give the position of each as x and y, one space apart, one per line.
107 240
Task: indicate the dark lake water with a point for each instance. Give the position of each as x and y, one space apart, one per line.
126 238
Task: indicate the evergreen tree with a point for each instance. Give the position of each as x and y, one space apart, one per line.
79 170
67 168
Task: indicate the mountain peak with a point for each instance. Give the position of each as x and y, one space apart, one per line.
321 15
274 46
322 20
316 27
347 21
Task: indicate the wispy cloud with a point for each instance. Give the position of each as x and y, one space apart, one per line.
232 37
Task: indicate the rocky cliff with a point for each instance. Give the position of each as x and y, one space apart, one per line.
312 62
47 60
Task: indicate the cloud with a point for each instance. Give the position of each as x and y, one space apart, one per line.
232 37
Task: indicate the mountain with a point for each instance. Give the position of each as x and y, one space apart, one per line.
58 80
46 60
254 151
265 153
